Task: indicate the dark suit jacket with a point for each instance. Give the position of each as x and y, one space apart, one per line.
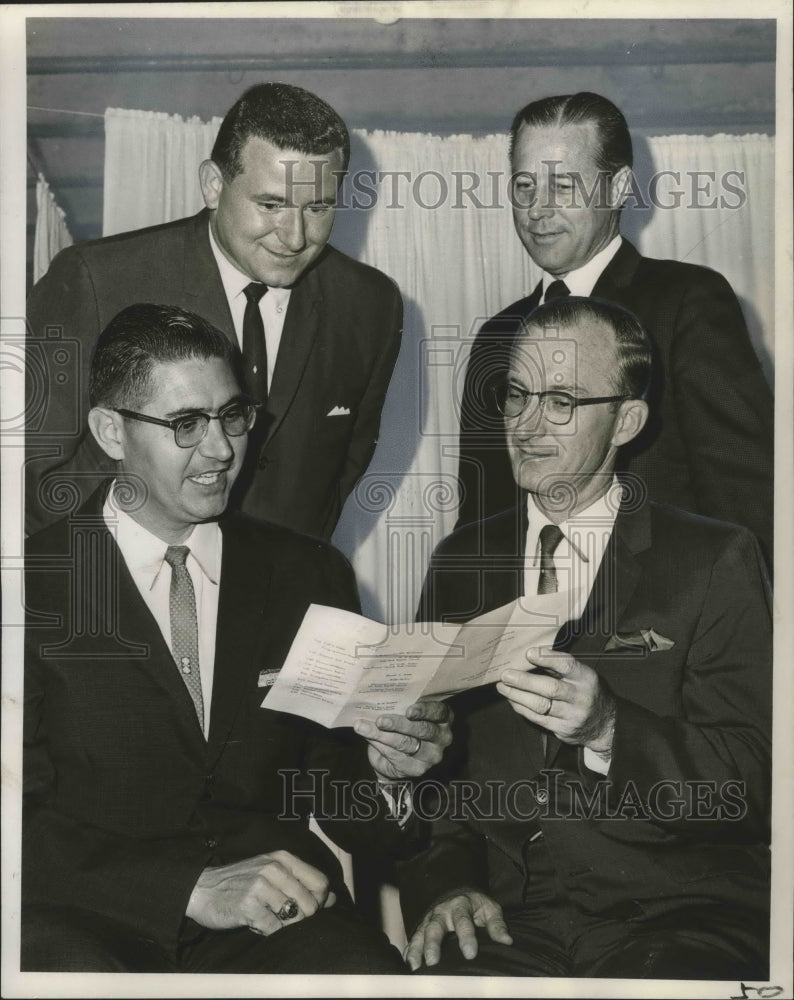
339 345
125 802
699 712
708 447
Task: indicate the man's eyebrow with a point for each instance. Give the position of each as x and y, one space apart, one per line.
280 198
572 388
184 411
196 411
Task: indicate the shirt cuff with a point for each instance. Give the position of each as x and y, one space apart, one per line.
399 799
597 762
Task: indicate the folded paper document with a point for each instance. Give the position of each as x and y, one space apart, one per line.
342 667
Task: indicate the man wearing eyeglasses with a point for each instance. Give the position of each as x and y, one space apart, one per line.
608 810
708 446
165 823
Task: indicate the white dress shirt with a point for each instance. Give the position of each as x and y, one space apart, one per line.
272 306
144 554
577 560
582 281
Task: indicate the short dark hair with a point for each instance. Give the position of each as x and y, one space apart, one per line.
142 336
614 139
289 117
633 349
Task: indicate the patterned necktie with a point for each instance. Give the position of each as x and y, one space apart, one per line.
550 538
556 290
184 625
254 345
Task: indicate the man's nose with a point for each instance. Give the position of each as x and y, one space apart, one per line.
540 204
529 420
216 443
292 231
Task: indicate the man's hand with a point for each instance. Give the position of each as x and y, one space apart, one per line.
573 703
405 746
460 913
250 893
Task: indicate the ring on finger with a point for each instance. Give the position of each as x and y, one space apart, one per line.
417 748
548 709
289 910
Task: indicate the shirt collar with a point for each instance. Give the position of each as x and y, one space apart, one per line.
234 280
582 281
600 515
144 552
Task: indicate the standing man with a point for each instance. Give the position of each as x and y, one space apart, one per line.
709 446
166 813
610 812
319 331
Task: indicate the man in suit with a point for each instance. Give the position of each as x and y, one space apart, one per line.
709 445
320 331
165 819
609 811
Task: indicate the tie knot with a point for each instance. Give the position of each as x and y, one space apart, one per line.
175 555
550 538
254 291
556 290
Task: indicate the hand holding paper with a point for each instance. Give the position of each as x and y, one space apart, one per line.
406 746
343 667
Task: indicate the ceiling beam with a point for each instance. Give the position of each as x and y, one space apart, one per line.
648 53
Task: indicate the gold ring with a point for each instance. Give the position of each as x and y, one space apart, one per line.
551 702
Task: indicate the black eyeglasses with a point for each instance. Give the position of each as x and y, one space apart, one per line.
556 406
237 418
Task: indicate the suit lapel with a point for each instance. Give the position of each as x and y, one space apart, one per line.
201 279
618 274
507 545
240 633
504 569
297 340
136 624
613 587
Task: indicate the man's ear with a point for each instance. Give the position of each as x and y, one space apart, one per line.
211 181
108 429
619 187
632 417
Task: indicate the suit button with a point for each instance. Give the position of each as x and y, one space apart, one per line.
264 461
542 796
211 843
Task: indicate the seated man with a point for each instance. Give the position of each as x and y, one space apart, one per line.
165 822
610 812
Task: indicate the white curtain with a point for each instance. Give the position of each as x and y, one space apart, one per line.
151 164
51 234
433 213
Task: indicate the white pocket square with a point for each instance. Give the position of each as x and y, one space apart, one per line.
339 411
646 639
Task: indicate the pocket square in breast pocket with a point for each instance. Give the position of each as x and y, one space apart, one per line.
645 639
339 411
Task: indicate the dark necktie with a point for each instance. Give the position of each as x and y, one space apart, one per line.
184 625
550 538
254 346
556 290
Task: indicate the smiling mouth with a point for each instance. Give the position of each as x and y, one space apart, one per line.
531 453
544 236
209 478
281 256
